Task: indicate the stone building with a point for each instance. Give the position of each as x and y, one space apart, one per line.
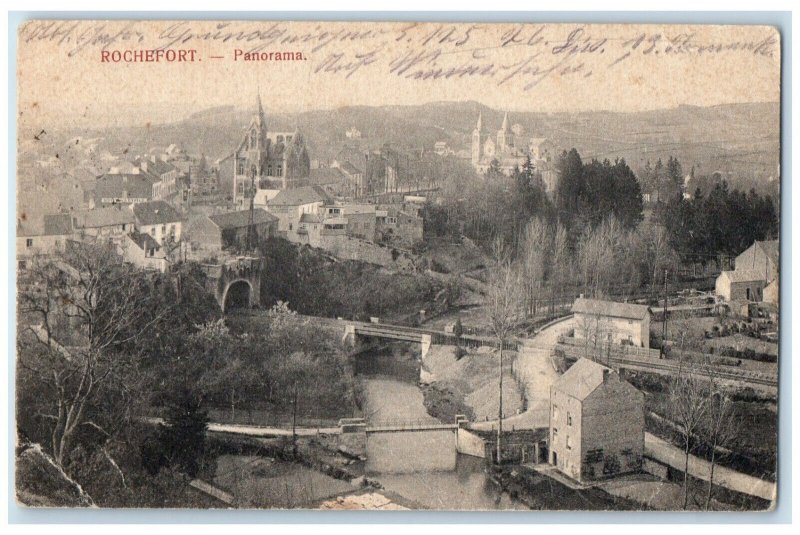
596 423
600 321
741 285
270 159
755 277
210 235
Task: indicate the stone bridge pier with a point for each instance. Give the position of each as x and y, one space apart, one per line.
235 281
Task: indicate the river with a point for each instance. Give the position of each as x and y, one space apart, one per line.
423 467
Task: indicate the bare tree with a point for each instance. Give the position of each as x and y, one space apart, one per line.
83 307
596 256
688 406
535 250
502 303
561 266
719 427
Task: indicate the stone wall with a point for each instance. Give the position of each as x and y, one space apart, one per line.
470 444
348 248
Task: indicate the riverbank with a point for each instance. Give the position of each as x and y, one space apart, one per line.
469 384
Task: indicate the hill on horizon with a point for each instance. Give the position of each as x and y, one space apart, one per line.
741 140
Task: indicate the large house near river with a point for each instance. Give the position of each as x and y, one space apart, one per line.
596 423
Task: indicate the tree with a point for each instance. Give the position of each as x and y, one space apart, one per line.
298 373
535 250
688 405
571 182
502 302
719 427
89 300
181 438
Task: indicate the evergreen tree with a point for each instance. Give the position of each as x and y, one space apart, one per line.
182 436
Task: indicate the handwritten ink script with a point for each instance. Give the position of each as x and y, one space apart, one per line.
521 54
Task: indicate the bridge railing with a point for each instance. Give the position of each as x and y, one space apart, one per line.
410 424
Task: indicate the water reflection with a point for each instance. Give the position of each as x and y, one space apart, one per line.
420 466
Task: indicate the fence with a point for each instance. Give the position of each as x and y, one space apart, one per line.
647 359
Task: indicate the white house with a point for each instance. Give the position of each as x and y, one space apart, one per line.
158 219
603 321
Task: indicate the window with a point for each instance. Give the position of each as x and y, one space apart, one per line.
123 226
22 264
569 419
555 432
163 229
555 411
29 242
569 442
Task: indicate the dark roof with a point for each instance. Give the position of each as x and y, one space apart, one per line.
311 218
57 224
138 186
325 175
610 308
154 166
582 378
241 218
744 275
155 213
771 249
144 241
299 196
105 217
349 168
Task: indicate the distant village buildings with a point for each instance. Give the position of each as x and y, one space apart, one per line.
353 133
508 150
596 423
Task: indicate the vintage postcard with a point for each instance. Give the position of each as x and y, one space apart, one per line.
392 266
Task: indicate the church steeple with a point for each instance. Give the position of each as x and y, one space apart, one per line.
504 128
262 121
479 126
503 136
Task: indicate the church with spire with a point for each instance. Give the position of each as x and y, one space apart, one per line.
276 160
503 147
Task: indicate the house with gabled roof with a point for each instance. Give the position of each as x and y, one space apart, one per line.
596 423
209 235
755 275
290 204
143 251
159 220
600 321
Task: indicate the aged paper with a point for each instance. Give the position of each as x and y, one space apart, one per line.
382 266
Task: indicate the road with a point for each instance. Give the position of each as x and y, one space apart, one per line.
666 453
534 366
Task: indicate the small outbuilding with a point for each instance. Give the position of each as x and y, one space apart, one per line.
741 285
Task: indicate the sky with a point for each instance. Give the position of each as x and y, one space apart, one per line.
62 78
